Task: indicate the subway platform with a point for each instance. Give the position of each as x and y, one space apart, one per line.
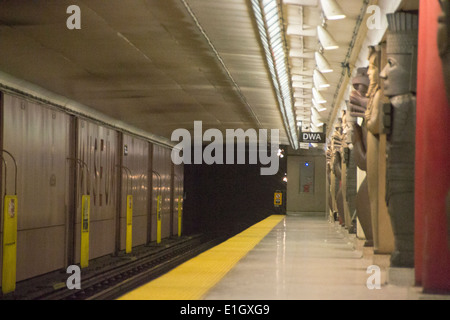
293 257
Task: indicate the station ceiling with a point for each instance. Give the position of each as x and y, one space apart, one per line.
160 65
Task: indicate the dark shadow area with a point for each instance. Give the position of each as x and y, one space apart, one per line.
230 198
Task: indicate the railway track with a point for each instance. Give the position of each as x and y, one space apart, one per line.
114 282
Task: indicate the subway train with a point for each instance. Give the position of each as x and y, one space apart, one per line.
73 183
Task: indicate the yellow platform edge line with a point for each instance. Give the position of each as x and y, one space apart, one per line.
194 278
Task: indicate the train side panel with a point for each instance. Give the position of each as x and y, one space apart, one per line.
161 185
38 138
97 149
178 195
135 182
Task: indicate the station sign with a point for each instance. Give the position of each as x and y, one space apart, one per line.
312 137
278 199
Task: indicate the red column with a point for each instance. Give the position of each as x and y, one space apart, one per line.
432 159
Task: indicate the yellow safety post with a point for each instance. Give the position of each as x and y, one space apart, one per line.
158 219
129 206
180 213
9 244
85 213
129 237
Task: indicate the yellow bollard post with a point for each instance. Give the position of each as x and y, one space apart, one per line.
85 213
9 244
158 219
129 237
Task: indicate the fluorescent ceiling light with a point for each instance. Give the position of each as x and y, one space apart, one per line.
320 81
322 63
332 10
326 40
267 15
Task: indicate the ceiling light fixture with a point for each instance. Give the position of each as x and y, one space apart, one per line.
320 81
332 10
322 63
319 107
317 97
326 40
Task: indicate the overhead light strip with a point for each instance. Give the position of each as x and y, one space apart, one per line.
267 14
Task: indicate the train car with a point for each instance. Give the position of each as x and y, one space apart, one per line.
38 137
84 189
